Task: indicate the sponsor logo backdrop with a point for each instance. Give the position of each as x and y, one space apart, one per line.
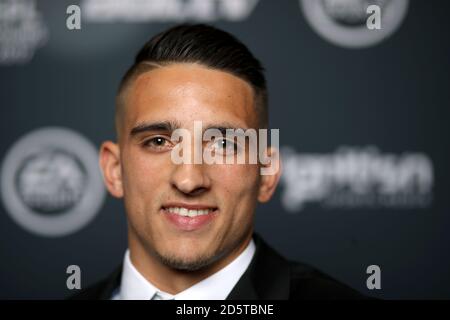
363 118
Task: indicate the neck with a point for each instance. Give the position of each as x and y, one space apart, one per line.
171 280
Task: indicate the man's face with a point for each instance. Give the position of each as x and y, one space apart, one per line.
153 185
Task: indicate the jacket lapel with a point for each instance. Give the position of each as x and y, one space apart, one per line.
111 284
267 277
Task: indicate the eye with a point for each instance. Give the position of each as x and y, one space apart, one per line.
225 146
157 143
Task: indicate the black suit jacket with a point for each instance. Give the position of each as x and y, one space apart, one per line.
269 276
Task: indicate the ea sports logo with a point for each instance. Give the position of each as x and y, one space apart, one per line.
51 183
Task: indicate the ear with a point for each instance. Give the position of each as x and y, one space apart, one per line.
269 181
111 168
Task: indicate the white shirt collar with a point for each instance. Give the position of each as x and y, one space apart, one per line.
216 287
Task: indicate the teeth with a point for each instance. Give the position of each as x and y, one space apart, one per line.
188 212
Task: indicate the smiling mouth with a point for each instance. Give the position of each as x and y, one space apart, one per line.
185 212
189 218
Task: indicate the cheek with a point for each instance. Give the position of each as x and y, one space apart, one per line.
238 183
142 172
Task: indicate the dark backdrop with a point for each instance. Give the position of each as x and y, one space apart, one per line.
392 96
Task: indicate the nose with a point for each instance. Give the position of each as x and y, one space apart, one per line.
190 179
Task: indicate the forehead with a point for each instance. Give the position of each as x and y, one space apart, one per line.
189 92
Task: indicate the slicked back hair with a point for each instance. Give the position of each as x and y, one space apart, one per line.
207 46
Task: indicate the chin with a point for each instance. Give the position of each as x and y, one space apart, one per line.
187 263
186 255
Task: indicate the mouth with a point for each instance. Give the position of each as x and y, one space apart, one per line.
187 217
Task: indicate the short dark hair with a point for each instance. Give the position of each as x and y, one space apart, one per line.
208 46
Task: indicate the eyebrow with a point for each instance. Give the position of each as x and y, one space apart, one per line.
162 126
223 127
170 126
